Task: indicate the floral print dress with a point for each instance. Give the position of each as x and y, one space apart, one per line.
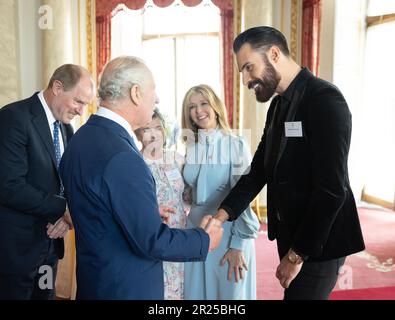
169 189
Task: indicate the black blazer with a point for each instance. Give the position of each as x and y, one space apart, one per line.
310 205
29 185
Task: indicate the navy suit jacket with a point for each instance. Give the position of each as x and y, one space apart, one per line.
29 186
120 238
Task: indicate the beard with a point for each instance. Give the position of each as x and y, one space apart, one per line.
265 87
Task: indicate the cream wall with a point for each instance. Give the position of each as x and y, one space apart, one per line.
325 70
30 45
9 51
252 113
29 53
276 13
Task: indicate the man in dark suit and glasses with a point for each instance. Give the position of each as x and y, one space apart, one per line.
302 157
33 214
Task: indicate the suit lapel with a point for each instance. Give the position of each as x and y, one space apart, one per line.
269 134
40 123
293 108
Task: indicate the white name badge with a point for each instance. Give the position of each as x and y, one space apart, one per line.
173 175
293 129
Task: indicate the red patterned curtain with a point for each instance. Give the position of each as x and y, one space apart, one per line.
227 58
104 12
103 41
311 29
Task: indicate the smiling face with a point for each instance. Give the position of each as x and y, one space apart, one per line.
67 104
258 72
153 134
201 112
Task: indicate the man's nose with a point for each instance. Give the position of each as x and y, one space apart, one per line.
156 99
80 110
246 77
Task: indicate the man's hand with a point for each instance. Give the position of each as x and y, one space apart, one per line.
216 220
222 215
287 271
67 218
58 230
214 229
236 263
164 213
213 226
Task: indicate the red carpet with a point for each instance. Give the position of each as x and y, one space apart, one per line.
386 293
366 275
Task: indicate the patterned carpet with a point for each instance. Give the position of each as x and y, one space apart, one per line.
372 268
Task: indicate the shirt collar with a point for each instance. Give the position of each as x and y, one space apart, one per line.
209 136
111 115
50 118
288 93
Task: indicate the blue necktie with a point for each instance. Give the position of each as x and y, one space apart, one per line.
58 153
56 143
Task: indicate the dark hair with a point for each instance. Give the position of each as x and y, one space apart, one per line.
262 38
68 75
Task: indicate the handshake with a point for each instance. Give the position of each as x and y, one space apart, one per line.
213 226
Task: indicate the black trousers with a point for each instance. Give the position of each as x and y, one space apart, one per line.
315 280
32 285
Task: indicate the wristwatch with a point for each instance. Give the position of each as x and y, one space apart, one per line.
294 258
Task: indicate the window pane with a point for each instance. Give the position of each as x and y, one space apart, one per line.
159 56
379 98
379 7
202 18
199 63
124 42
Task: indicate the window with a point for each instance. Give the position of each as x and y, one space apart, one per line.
181 45
379 102
363 69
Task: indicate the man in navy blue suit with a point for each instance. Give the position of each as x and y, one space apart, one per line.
120 238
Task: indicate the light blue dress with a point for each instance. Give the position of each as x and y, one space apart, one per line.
213 166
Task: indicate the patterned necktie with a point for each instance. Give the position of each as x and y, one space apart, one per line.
56 143
58 153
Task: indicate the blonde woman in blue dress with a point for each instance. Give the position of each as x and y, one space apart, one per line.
215 160
166 169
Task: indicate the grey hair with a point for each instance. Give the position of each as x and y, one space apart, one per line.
120 75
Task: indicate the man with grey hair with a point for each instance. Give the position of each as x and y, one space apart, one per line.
33 212
120 238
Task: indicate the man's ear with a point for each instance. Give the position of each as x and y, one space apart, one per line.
57 87
135 94
274 54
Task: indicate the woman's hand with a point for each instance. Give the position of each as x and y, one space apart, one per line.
236 264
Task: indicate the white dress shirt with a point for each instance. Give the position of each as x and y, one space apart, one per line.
51 119
111 115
